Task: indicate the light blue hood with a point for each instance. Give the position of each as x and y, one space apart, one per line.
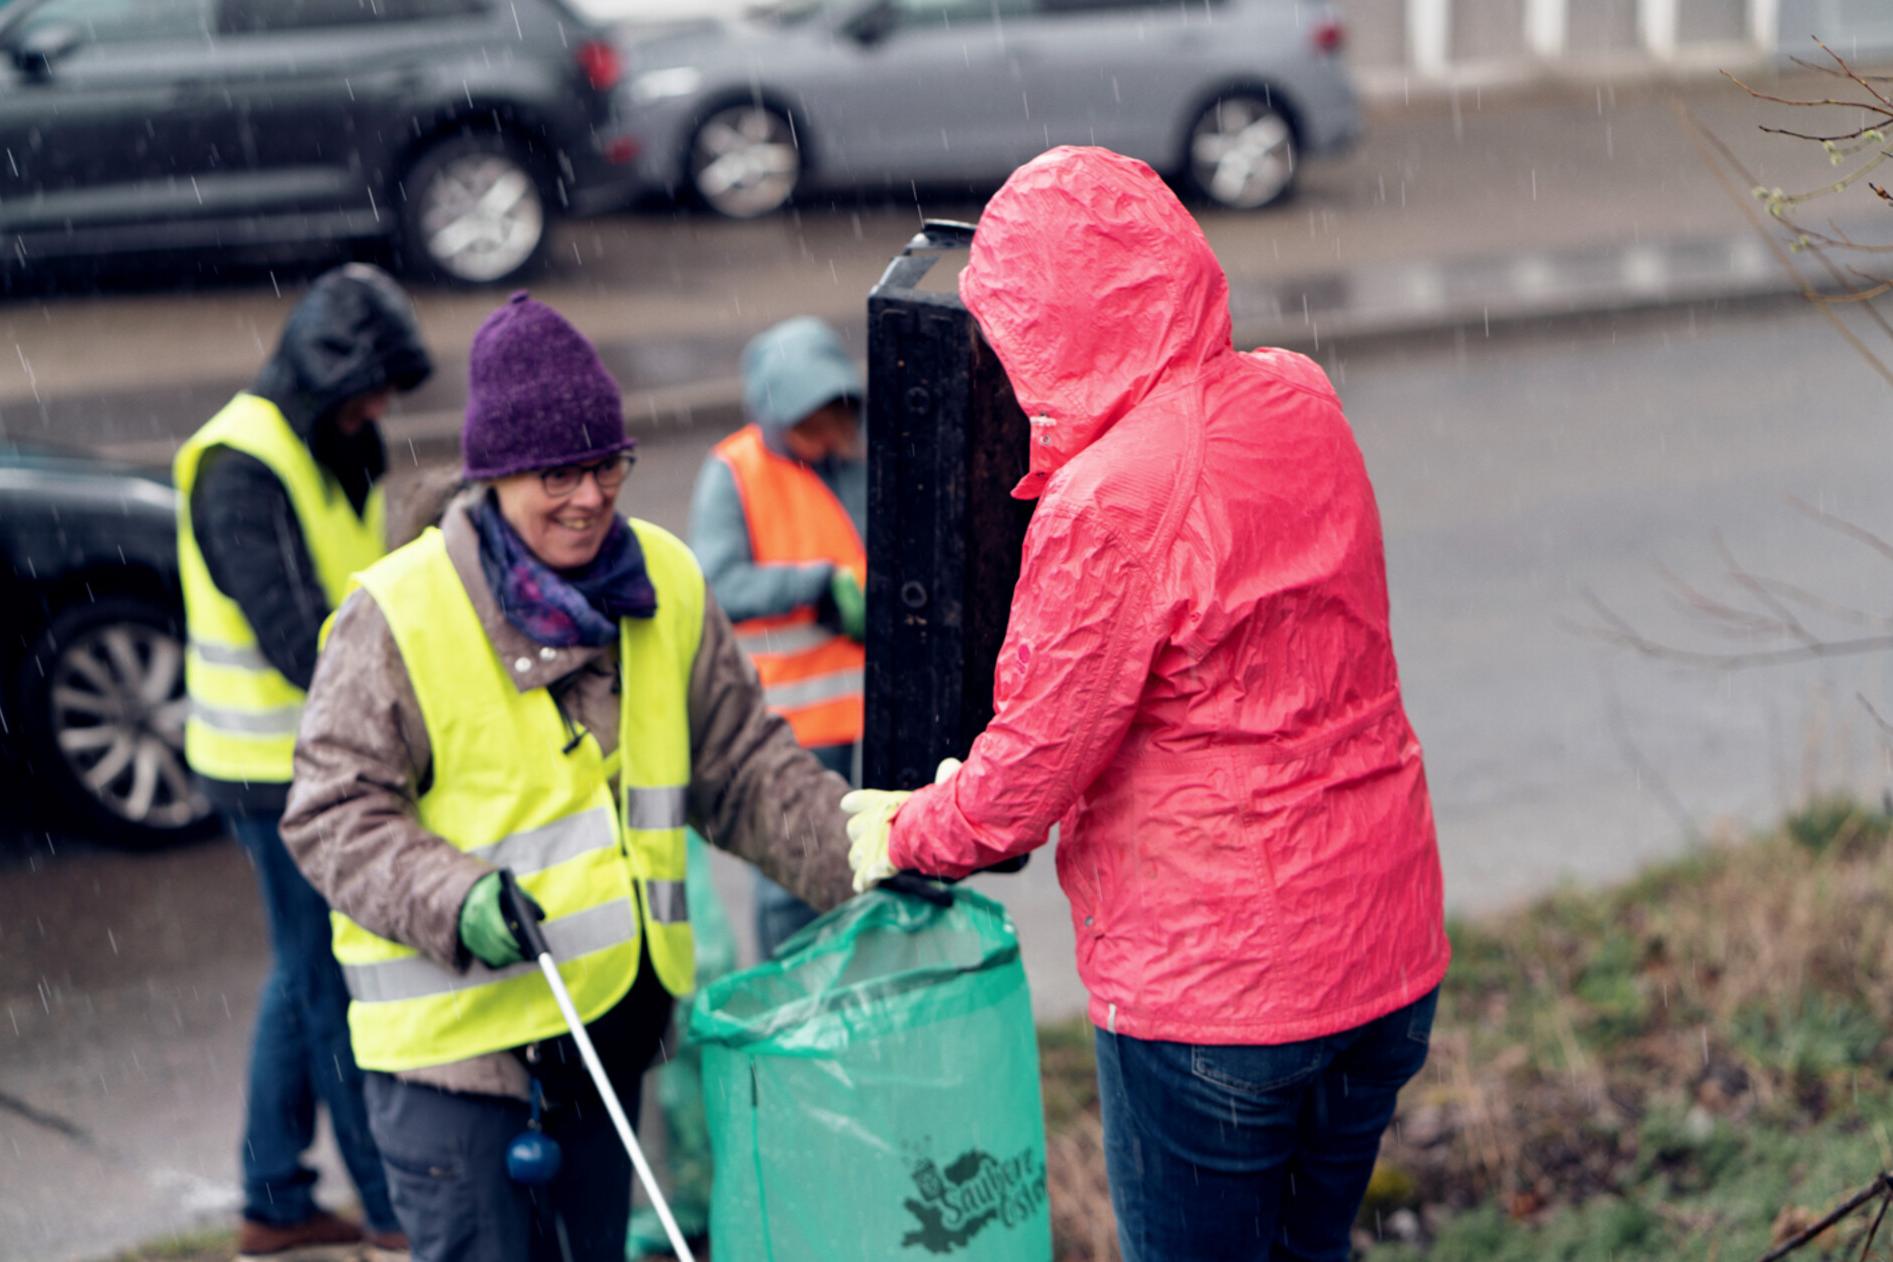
790 370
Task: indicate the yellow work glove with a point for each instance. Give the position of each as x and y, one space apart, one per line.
871 823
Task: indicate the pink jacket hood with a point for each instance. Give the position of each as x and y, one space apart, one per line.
1093 285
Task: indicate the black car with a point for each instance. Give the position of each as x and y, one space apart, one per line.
92 701
457 130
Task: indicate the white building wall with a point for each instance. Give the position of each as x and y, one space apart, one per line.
1402 45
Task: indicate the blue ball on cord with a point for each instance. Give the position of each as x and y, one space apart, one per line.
533 1158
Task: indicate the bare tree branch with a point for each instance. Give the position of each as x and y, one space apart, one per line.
1820 604
1841 63
1729 619
1760 95
1837 237
1882 1187
1853 530
1706 142
1791 625
1617 631
1648 773
1886 729
1834 139
1707 146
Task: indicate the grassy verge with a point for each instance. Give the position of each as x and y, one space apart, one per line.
1688 1066
1691 1065
214 1245
1685 1066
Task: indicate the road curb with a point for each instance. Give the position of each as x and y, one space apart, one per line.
1313 313
1415 300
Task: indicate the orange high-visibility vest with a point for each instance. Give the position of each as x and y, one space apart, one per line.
810 675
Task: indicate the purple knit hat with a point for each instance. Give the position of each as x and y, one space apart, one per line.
537 396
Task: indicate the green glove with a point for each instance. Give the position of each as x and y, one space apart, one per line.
851 604
483 924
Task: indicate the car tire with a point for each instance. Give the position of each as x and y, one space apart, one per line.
474 212
744 160
103 707
1240 152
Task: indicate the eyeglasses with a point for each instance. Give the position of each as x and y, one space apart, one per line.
610 474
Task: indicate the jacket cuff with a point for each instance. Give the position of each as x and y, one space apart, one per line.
817 586
440 940
915 825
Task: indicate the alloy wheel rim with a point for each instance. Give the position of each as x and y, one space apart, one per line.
745 162
481 217
118 712
1242 153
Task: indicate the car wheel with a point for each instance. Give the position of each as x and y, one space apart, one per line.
104 702
1241 153
474 214
745 161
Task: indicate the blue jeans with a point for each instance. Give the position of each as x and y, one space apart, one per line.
1251 1152
780 915
301 1053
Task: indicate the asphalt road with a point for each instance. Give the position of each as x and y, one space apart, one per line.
1515 475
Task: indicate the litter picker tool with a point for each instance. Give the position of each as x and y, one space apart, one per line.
525 927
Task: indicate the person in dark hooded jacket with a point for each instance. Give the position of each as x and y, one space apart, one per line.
279 505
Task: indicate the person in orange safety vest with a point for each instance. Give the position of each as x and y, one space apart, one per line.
777 521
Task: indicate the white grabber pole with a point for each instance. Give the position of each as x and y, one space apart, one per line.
525 927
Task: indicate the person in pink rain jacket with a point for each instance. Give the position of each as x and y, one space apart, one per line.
1198 685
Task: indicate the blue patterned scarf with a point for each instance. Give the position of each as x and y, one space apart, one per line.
564 610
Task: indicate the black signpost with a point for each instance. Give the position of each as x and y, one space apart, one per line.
946 445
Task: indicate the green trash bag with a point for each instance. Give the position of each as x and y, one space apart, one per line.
873 1091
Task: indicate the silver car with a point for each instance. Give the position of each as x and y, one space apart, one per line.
1223 96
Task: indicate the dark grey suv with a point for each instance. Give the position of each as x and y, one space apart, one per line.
456 129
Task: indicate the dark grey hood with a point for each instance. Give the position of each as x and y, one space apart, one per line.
354 333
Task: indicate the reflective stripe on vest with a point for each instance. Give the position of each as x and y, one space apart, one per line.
813 692
281 721
670 903
249 657
571 938
810 675
242 724
539 848
656 808
800 638
505 788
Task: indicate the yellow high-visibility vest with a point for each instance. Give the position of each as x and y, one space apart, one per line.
503 787
242 725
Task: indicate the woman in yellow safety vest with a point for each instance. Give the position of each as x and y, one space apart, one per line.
543 685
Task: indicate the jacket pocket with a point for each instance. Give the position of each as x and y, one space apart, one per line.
1076 863
1256 1070
445 1170
438 1205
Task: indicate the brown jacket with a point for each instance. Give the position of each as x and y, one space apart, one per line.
363 758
